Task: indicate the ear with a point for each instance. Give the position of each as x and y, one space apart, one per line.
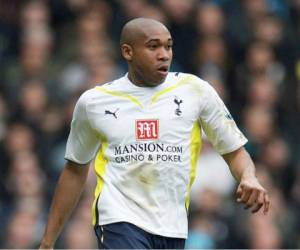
126 51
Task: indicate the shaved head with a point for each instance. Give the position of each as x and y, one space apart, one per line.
138 28
146 45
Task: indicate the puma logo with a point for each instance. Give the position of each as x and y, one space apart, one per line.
107 112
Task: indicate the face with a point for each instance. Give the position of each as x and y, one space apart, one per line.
150 56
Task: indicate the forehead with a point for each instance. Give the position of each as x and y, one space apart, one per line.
155 33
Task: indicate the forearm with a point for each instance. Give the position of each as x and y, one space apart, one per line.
67 193
249 191
240 164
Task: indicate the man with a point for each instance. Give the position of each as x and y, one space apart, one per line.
145 130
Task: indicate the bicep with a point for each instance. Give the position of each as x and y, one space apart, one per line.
234 155
73 177
76 166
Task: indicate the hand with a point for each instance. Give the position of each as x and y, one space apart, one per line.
45 246
252 194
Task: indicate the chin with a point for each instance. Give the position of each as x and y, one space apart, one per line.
153 80
155 83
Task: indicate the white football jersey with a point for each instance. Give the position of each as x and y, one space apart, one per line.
146 142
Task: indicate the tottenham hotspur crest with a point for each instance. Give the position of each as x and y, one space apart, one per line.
178 102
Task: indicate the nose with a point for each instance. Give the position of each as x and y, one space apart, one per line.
164 54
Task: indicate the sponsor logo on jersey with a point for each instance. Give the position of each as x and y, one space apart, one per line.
107 112
178 101
146 129
147 151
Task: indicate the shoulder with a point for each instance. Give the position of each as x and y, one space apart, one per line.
112 85
186 76
87 95
81 104
96 92
192 80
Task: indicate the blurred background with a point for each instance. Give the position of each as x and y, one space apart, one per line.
248 50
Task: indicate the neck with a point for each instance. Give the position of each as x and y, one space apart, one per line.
139 80
136 79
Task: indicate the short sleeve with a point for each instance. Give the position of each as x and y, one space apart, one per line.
219 125
83 141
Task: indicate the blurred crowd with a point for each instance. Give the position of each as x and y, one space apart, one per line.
248 50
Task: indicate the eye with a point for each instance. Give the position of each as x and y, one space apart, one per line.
152 46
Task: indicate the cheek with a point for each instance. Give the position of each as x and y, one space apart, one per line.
149 58
146 61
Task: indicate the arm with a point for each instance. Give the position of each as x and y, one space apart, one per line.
249 191
225 136
67 193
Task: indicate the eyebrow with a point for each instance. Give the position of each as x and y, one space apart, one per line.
157 40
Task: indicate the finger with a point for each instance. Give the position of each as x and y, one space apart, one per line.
259 202
266 203
245 195
239 192
252 198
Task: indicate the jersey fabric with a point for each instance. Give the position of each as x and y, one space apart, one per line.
146 142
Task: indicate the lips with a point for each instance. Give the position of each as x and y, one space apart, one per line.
163 69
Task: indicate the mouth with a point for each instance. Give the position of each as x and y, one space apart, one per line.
163 70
